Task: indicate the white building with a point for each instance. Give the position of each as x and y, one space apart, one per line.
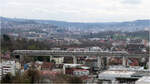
130 68
95 48
58 60
110 77
143 80
81 72
8 67
0 71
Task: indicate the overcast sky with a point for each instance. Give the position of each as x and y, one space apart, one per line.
77 10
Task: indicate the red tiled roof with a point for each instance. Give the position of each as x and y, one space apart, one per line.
84 77
47 65
47 72
80 69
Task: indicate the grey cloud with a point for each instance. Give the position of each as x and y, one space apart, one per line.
131 1
77 10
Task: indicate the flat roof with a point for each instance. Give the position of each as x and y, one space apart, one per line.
118 72
143 80
109 75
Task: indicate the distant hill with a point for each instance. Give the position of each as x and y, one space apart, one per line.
123 26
